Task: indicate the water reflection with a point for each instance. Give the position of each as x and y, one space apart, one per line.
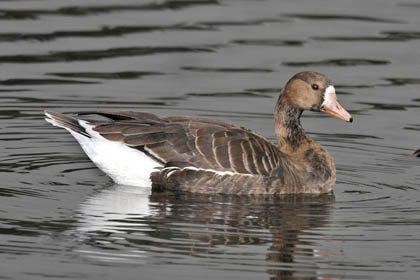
204 226
106 210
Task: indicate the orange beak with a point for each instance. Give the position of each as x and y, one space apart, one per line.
331 107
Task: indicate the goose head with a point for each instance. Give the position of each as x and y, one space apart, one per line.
314 92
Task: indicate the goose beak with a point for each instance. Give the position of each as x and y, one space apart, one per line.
331 107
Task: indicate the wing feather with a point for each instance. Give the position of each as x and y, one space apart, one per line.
192 141
248 158
236 161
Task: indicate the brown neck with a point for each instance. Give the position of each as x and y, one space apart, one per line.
289 131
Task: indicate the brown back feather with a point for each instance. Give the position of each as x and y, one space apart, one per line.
199 142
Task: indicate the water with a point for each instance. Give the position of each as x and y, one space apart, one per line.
61 218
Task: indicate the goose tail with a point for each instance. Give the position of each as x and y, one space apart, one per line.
66 122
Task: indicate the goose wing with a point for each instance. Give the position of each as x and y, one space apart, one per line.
191 141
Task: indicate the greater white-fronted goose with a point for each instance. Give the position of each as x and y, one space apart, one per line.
192 154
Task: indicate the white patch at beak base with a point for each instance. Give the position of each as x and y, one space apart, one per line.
329 95
331 107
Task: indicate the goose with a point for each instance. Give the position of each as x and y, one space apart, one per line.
417 153
179 154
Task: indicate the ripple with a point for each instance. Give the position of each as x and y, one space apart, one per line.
95 10
403 81
338 62
242 23
413 127
27 163
333 136
354 38
14 90
16 232
265 90
79 102
386 36
105 31
412 5
85 55
339 92
384 106
10 114
23 82
8 192
342 17
228 94
357 191
39 226
225 69
354 86
269 42
403 35
105 75
395 186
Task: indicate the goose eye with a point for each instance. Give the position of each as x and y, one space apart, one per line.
315 86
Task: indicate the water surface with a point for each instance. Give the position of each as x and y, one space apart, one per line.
61 218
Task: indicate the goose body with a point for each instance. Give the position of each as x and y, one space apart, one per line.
192 154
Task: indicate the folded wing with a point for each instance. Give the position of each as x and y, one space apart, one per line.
195 142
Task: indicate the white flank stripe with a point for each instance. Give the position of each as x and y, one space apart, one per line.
153 154
171 172
221 173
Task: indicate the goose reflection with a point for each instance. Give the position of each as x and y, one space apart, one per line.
276 222
269 233
108 209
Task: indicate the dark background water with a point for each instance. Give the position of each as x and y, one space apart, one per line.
61 218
